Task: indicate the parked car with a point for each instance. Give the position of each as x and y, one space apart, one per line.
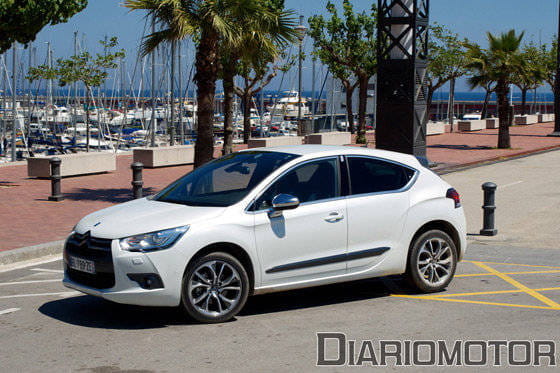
271 219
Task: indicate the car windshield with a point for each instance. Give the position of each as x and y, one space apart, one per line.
224 181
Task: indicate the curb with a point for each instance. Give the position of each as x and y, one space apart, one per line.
31 252
466 166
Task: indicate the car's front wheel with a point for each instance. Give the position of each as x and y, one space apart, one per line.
432 261
215 288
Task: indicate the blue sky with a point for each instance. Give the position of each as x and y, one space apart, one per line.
469 18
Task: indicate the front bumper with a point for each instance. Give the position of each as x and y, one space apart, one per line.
124 289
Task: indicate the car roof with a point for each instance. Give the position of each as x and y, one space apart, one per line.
315 151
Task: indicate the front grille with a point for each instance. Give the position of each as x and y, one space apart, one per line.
97 250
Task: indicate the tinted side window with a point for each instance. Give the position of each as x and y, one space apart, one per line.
309 182
369 175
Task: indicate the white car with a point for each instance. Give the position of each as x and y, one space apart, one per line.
271 219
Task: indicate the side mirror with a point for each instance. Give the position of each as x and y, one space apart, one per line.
283 202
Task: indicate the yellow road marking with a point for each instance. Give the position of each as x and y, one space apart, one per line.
507 273
510 264
519 285
473 301
488 292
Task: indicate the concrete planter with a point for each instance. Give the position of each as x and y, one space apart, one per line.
472 125
266 142
526 119
164 156
492 123
330 138
73 164
435 128
543 118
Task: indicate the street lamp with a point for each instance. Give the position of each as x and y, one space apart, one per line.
301 30
556 132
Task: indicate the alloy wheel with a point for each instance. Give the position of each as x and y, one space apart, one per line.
435 261
214 288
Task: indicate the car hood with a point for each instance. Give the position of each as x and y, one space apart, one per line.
142 216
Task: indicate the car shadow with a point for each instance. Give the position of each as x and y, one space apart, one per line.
93 312
326 295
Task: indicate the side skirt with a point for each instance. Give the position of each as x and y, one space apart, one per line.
329 260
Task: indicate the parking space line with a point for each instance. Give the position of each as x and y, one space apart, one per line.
47 270
28 263
9 310
510 264
488 292
473 301
508 273
36 295
519 285
29 282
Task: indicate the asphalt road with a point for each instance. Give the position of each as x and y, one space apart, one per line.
45 327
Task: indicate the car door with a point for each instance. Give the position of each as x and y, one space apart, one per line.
377 206
309 241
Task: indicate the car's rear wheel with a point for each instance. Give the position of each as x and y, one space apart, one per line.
215 288
432 261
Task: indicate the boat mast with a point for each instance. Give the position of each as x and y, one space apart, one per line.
75 84
153 92
14 102
172 96
181 103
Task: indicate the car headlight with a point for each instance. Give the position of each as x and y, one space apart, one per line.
154 240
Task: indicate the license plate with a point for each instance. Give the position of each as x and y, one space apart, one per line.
82 265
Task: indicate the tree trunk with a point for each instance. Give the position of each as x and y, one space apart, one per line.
349 109
361 139
523 101
246 103
205 77
484 112
228 83
502 91
451 104
429 100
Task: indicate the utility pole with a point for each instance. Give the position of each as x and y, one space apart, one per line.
153 92
556 132
172 96
14 102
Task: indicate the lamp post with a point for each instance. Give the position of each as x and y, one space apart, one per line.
556 132
301 31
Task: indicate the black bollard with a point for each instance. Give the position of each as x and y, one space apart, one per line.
137 182
489 207
56 194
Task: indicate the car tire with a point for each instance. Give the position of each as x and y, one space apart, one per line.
432 261
215 288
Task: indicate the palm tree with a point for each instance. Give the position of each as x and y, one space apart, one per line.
500 63
481 77
210 22
532 74
258 40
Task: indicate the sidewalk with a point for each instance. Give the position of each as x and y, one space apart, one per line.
28 218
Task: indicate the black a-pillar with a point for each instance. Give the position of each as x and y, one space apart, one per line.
402 111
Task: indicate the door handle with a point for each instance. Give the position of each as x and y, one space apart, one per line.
334 217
